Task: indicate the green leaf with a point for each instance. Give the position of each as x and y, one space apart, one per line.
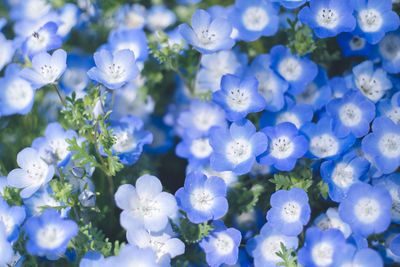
190 232
300 177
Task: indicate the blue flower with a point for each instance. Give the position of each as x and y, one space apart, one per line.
366 209
133 39
291 4
130 138
159 17
236 149
46 68
390 108
7 51
11 217
389 49
196 150
53 146
49 234
328 17
263 247
366 257
131 16
114 70
289 211
145 205
338 86
221 245
16 94
270 85
43 197
43 40
253 19
239 97
285 146
202 198
392 184
91 259
206 35
351 114
297 71
321 248
69 17
374 19
75 76
342 173
33 174
323 142
373 83
353 45
6 250
331 219
395 245
131 254
383 144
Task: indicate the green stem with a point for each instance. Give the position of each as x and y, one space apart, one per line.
194 81
59 94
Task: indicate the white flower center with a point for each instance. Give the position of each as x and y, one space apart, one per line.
116 72
389 145
238 150
38 41
255 19
394 114
204 120
367 210
147 208
327 18
201 148
202 199
350 114
158 245
207 38
282 147
37 171
369 86
309 95
288 117
291 211
49 73
290 68
19 94
8 223
324 146
270 246
357 43
267 85
223 244
125 141
133 20
343 175
238 99
322 254
389 47
370 20
50 237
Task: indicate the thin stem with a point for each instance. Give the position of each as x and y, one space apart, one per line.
59 94
194 81
60 174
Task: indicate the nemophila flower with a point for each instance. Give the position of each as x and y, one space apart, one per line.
7 51
114 70
91 259
297 71
263 247
229 62
351 114
145 205
32 174
11 217
43 40
68 18
254 19
389 51
239 97
321 248
331 219
374 19
328 17
366 257
164 245
16 94
297 114
228 176
395 245
133 255
131 16
42 198
340 174
200 118
3 184
338 86
159 17
236 148
285 146
130 138
207 35
383 144
389 108
53 146
221 246
196 150
366 209
392 184
270 85
6 250
323 143
30 9
373 83
353 45
290 4
49 234
316 93
46 68
202 198
289 211
75 76
133 39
